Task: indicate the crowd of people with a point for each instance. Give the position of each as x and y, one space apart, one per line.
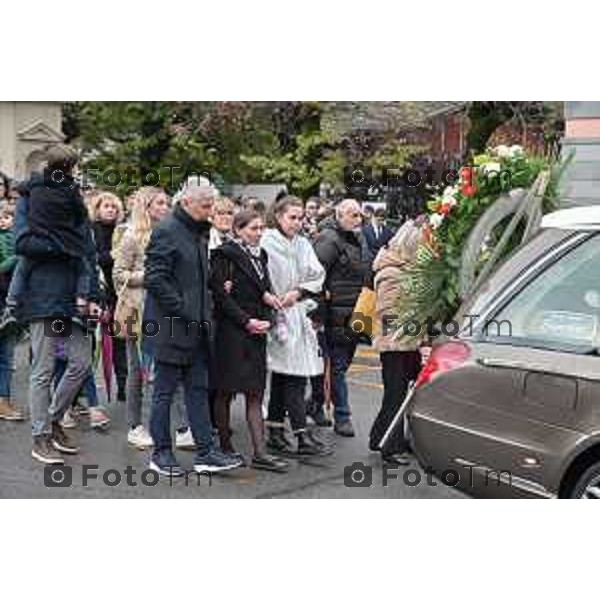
248 301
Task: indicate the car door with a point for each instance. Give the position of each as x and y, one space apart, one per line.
514 411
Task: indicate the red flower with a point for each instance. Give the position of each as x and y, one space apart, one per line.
467 176
468 190
444 209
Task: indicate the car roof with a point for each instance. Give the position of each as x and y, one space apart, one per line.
580 218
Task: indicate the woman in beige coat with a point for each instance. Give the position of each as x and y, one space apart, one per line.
150 206
399 353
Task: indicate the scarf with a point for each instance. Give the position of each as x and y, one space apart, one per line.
253 253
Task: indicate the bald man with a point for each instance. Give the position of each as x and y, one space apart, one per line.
343 251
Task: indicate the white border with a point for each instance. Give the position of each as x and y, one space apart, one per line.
260 50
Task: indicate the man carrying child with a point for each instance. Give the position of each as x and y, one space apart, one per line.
54 288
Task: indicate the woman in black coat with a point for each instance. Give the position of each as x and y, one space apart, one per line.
106 211
243 304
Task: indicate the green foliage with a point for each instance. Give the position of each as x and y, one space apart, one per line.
300 167
237 142
172 138
320 156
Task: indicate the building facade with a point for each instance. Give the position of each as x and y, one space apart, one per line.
581 145
25 129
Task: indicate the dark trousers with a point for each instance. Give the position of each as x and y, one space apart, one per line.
316 403
212 400
340 351
398 369
195 389
120 365
287 394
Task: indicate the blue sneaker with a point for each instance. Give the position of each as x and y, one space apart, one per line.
165 463
215 462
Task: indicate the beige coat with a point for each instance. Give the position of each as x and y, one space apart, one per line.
128 275
390 272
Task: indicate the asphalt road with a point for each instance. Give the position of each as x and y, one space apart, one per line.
22 477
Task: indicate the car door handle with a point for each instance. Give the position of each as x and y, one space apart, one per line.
503 363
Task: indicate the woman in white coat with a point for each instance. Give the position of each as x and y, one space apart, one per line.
292 348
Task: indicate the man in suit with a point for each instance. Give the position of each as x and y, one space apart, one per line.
376 233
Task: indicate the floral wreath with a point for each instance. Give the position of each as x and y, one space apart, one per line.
431 288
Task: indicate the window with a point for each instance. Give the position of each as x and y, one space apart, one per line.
559 308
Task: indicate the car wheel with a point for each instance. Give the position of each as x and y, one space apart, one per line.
587 486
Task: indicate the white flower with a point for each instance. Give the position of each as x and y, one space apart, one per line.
515 150
448 195
491 167
450 190
436 220
502 151
451 200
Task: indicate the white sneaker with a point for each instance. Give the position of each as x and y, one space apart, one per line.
68 421
98 418
139 438
185 440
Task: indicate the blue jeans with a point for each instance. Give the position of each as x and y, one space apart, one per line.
7 352
341 353
88 387
195 389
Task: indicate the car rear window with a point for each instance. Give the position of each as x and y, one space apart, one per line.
509 270
559 306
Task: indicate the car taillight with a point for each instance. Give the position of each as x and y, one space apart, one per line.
442 359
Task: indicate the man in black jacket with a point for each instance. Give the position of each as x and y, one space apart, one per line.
176 277
342 250
58 290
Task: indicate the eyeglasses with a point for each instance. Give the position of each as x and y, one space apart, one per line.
228 213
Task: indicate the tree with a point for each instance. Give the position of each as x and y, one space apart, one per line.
236 142
170 138
318 153
122 141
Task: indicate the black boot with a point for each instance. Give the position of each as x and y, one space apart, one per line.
277 442
396 458
307 446
325 446
318 416
267 462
